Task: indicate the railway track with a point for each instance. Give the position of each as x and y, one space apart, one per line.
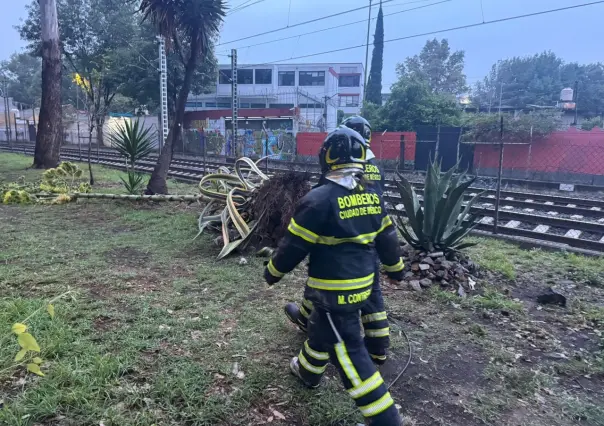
566 221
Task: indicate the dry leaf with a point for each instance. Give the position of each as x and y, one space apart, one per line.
278 415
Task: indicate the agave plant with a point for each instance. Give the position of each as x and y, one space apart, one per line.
444 221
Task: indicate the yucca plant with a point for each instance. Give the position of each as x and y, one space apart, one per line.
444 221
134 182
133 141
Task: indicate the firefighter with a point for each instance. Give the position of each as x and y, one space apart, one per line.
373 314
338 224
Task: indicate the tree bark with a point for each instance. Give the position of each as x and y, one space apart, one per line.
157 183
50 129
100 135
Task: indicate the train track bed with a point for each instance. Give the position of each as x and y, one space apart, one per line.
567 221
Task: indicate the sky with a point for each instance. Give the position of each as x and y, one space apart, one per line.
575 35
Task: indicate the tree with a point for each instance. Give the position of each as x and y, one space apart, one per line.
532 80
96 43
438 67
486 127
188 26
413 103
374 85
50 131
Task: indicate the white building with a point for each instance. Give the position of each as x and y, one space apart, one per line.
306 95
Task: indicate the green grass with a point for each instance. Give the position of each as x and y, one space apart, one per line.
154 326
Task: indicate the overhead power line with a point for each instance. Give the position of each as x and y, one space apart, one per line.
243 6
461 27
340 26
310 22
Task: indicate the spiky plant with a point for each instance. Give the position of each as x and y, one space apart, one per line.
443 222
133 141
134 182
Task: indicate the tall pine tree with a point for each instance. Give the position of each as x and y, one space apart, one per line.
374 85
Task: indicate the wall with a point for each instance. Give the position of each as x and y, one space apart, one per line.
384 147
569 156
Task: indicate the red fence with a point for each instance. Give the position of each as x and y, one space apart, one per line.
385 146
571 154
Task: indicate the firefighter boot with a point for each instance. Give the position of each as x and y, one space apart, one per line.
292 311
294 367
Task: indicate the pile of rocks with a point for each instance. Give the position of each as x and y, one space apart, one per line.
423 269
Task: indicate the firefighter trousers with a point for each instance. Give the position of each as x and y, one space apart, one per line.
336 338
373 317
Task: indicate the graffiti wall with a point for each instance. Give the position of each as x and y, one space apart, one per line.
259 143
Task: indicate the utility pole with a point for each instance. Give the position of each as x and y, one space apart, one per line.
500 98
6 114
499 173
366 77
163 91
576 95
234 100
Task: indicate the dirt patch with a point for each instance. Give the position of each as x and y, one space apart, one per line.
127 256
103 323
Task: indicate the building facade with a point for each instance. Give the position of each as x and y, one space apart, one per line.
293 97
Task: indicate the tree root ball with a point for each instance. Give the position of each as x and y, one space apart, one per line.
274 204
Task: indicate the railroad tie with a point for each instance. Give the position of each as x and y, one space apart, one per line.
509 198
552 213
512 224
576 216
596 209
549 203
528 210
508 207
487 220
573 233
542 229
529 201
571 205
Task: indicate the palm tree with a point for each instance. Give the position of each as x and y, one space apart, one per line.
188 27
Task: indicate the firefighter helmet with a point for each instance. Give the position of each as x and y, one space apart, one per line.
362 126
342 148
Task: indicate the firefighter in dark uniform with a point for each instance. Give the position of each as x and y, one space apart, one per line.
341 224
373 314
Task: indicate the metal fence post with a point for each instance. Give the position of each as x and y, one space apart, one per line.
500 172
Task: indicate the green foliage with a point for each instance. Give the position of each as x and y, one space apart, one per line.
17 196
28 345
374 84
413 103
438 67
443 222
591 123
133 141
538 80
523 128
134 182
63 179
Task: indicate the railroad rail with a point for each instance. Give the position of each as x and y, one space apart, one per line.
568 221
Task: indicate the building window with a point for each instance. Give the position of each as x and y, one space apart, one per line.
244 105
245 76
282 106
257 105
349 101
264 76
350 80
210 104
224 76
348 70
312 78
194 104
287 78
223 105
313 106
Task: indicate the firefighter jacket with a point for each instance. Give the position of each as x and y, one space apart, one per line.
339 228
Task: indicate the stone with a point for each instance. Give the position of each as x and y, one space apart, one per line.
426 282
415 267
441 274
428 260
431 276
444 283
552 297
436 254
414 284
243 261
409 274
437 267
441 259
446 264
424 267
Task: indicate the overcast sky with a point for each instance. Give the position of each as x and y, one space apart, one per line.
575 35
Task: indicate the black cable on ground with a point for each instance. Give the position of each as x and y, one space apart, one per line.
400 374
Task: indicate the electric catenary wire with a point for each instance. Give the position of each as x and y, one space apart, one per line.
333 15
461 27
340 26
